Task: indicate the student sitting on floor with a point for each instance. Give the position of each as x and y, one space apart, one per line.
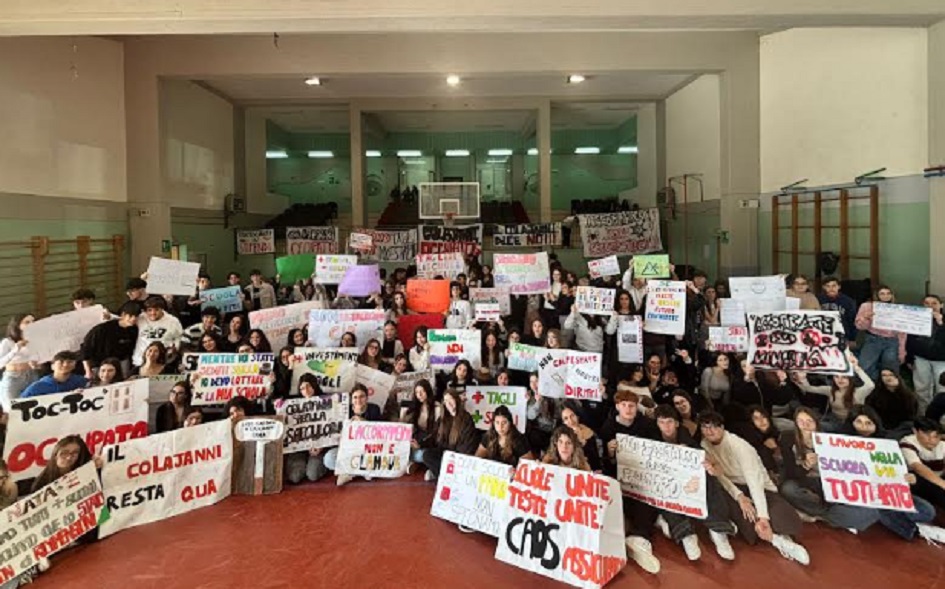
924 452
503 442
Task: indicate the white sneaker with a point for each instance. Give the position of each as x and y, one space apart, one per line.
691 545
790 549
465 530
932 534
853 531
42 563
641 551
344 479
411 467
663 525
806 517
428 476
722 546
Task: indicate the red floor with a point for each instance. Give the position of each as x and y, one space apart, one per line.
380 534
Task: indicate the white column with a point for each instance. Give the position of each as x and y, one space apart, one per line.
647 161
543 135
358 204
937 158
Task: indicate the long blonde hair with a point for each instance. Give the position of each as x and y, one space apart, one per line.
578 459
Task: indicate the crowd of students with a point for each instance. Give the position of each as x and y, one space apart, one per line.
755 427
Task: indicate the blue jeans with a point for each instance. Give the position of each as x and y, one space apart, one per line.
14 383
879 353
904 524
416 455
806 497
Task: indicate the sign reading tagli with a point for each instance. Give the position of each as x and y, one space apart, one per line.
868 472
472 492
374 449
164 475
522 273
313 422
666 476
220 377
808 341
449 346
665 307
570 374
43 523
100 416
311 240
595 301
623 233
255 241
481 402
564 524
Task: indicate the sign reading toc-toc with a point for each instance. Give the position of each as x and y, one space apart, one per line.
564 524
374 449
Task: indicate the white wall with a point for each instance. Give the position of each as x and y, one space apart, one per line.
62 118
693 136
196 146
836 103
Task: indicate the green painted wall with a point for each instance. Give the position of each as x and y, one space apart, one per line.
700 248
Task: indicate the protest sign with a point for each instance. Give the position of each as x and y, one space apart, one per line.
163 475
252 241
61 332
361 281
595 301
311 240
438 239
257 455
522 273
390 246
498 296
622 233
159 392
527 235
481 401
404 384
374 449
377 382
172 277
331 269
428 296
225 300
667 476
807 341
524 357
866 472
449 346
759 294
608 266
564 524
472 492
313 422
360 242
43 523
630 339
487 312
665 307
731 312
100 415
220 377
326 326
448 266
291 269
334 368
277 322
728 339
901 318
652 266
407 326
570 374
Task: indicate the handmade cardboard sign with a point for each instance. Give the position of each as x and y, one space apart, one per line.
374 449
808 341
481 402
472 492
313 422
570 374
220 377
666 476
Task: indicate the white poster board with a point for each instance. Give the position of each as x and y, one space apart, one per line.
570 374
172 277
728 339
277 322
377 382
220 377
806 341
482 400
667 476
313 422
630 339
61 332
595 301
759 294
665 307
449 266
901 318
375 449
326 326
522 273
253 241
608 266
472 492
499 296
331 269
449 346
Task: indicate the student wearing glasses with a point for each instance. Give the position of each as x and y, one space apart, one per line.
172 414
799 288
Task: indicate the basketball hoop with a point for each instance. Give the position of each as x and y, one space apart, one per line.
448 219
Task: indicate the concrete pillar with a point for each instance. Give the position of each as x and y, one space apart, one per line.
937 158
647 156
543 136
358 202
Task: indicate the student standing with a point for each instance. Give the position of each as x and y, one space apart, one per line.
156 324
112 339
834 300
18 370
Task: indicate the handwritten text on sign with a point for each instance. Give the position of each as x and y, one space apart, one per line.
335 369
472 492
278 321
665 307
220 377
481 403
595 301
623 233
608 266
570 374
255 241
868 472
101 416
332 269
449 346
313 422
564 524
728 339
63 331
525 235
811 341
311 240
451 265
375 449
225 300
326 326
389 246
666 476
902 318
465 239
164 475
522 273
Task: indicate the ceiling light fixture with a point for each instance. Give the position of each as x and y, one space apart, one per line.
313 81
276 154
532 151
500 152
372 153
409 153
587 150
628 149
320 155
576 78
453 80
457 153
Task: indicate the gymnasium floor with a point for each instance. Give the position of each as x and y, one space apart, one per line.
380 534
